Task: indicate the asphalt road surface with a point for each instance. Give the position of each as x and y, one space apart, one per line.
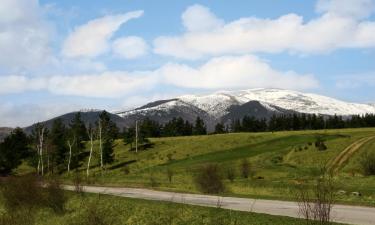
341 213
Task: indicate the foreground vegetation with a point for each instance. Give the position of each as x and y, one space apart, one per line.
23 202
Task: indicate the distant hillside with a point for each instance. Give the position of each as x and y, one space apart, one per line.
89 117
5 131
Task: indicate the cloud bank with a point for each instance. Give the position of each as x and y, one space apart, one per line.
340 25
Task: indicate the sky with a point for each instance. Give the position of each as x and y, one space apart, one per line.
61 56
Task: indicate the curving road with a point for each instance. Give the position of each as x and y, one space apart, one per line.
341 213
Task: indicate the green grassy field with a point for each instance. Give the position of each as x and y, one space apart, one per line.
279 161
109 210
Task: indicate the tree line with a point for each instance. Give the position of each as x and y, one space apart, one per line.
61 148
297 122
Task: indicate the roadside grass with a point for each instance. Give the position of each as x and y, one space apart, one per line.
90 208
279 162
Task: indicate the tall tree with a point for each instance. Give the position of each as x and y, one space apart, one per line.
109 132
76 137
199 127
219 128
58 139
13 149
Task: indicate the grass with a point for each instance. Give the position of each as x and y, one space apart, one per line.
111 210
279 162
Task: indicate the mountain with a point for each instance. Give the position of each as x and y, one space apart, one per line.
225 106
228 105
87 117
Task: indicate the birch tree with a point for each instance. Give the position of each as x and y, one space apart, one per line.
90 133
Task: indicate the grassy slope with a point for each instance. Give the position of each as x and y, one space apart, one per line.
141 212
281 159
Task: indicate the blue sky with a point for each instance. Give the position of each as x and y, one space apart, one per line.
59 56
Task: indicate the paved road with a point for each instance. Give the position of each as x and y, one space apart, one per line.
341 213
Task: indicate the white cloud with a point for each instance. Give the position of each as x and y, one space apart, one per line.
91 39
230 72
234 72
107 84
346 8
200 18
24 35
12 115
330 31
129 47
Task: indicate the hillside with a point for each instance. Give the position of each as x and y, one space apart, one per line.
279 161
88 117
5 131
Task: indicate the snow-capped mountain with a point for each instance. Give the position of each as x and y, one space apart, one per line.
220 104
303 102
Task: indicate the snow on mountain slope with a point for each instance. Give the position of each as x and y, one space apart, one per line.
215 105
219 104
302 102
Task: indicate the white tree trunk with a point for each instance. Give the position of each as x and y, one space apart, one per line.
38 152
136 136
70 154
41 140
91 136
100 144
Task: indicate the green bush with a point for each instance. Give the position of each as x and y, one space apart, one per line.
209 179
367 162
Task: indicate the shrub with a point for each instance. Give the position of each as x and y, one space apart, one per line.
170 157
77 182
22 192
153 181
170 174
230 174
209 179
319 144
55 197
96 212
245 168
126 170
367 162
316 205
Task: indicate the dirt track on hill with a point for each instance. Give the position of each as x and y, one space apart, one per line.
337 163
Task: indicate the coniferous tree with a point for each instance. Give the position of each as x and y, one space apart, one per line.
200 127
109 134
76 136
13 150
58 140
219 128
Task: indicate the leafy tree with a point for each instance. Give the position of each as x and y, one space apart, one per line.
13 150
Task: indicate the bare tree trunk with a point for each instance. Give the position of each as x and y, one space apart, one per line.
41 140
38 152
70 154
91 136
136 136
100 144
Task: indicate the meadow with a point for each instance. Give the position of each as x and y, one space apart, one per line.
279 162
